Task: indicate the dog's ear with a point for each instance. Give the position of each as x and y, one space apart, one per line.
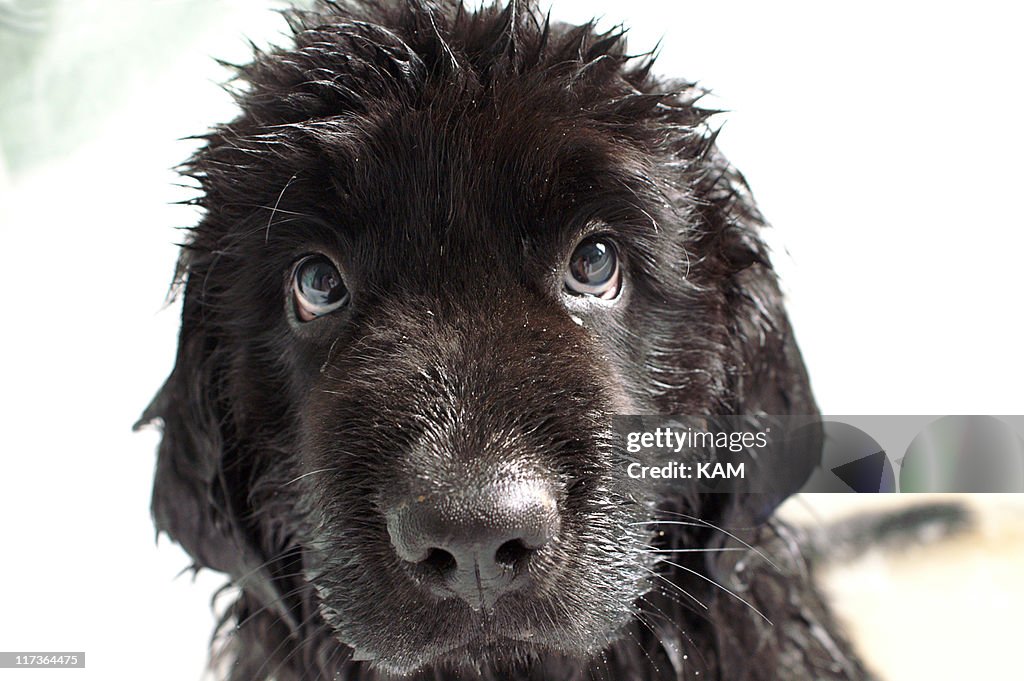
769 377
190 501
194 500
771 382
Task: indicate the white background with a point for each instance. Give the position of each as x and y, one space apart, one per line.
882 140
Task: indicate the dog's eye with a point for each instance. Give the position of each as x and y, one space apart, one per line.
594 270
317 287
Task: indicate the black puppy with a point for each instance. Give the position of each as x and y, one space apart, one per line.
441 249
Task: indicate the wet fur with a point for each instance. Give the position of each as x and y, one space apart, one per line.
450 161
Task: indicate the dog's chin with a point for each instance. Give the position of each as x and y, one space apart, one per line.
499 654
481 646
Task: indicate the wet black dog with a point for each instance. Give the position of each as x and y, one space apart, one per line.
441 249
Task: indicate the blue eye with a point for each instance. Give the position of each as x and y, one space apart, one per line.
593 270
317 288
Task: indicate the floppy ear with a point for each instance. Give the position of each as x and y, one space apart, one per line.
189 499
772 381
769 376
193 499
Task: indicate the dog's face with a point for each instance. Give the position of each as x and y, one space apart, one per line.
441 251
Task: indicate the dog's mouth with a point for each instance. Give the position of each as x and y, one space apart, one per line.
449 633
496 635
482 649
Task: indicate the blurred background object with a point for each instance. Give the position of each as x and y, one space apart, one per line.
932 606
66 66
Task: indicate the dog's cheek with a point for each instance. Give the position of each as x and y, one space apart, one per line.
345 465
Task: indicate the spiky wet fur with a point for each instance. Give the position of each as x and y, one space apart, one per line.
451 156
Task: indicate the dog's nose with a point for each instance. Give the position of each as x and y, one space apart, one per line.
476 545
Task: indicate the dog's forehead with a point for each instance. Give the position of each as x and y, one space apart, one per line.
479 166
476 184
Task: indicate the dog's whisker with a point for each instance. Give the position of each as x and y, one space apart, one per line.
641 618
675 586
693 648
335 658
248 574
330 353
270 604
647 619
273 212
643 649
698 522
704 550
723 588
310 473
665 593
285 640
318 629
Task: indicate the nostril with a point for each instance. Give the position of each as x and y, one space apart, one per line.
512 553
440 561
476 544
